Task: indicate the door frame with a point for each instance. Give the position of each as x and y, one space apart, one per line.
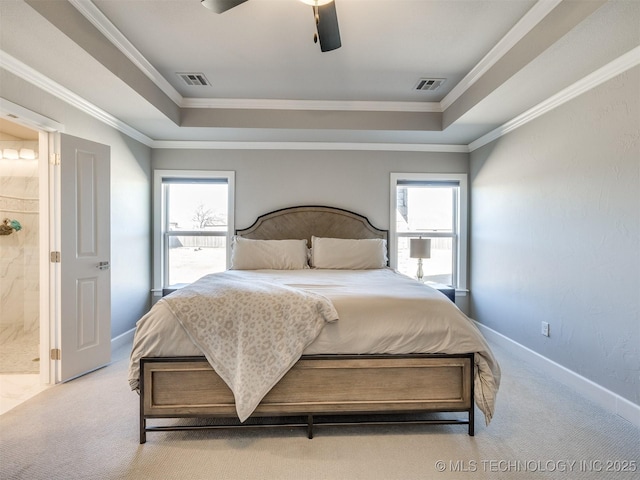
50 238
46 282
48 148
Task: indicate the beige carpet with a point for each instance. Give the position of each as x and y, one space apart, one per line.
88 429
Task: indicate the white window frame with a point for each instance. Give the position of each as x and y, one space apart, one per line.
461 221
159 260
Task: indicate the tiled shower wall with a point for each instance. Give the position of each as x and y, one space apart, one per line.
19 262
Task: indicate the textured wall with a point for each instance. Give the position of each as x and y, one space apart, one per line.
555 214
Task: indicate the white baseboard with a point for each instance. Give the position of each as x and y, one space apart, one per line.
124 339
601 396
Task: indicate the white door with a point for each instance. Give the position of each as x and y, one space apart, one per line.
85 282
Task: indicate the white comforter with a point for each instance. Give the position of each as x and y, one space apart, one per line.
252 333
380 311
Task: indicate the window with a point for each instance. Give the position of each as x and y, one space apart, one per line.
193 213
430 206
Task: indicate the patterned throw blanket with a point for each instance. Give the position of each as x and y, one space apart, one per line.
251 333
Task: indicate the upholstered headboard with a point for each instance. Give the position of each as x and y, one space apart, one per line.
307 221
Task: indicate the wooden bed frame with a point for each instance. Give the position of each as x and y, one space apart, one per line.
317 385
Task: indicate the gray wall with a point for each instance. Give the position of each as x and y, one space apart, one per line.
267 180
270 179
555 214
130 198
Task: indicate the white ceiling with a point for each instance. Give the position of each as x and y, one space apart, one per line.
271 83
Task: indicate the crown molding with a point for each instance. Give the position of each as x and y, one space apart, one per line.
334 105
34 77
609 71
540 10
115 36
16 67
317 146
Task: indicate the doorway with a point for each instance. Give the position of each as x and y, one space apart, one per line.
21 319
68 309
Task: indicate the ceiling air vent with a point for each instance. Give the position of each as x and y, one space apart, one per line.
194 79
430 84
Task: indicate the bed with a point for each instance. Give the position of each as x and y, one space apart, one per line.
375 346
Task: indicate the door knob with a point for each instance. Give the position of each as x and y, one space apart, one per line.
104 266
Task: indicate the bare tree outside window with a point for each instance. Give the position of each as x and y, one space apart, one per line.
205 217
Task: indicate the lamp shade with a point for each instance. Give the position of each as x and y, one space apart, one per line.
420 248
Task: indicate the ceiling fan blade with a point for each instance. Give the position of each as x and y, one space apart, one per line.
220 6
328 31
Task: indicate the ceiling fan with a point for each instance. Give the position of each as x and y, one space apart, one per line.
324 12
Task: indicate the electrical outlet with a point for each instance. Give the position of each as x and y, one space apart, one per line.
545 329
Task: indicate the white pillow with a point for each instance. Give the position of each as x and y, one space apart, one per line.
348 254
247 254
